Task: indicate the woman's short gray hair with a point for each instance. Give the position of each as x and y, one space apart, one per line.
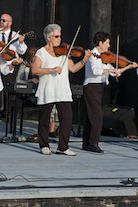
49 29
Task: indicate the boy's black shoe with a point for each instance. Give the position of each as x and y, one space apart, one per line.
95 149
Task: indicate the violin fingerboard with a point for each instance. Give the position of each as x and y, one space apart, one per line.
29 34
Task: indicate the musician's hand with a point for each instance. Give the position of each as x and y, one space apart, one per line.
133 65
117 73
33 80
58 70
18 60
87 55
21 39
113 70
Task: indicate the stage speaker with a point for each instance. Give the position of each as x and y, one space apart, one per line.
119 121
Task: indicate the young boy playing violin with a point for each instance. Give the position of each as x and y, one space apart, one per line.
96 75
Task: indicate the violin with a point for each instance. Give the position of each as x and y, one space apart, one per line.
77 51
110 57
63 49
8 54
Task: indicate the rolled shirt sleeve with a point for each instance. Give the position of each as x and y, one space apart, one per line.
21 48
5 69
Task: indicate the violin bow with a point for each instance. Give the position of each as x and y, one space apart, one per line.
72 45
117 54
9 42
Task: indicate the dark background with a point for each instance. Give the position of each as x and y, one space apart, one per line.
124 22
69 14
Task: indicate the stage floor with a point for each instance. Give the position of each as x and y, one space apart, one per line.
27 174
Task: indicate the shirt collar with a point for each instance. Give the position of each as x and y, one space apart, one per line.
96 51
7 32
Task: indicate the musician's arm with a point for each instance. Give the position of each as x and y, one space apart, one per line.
17 46
133 65
16 61
21 39
6 69
21 48
37 70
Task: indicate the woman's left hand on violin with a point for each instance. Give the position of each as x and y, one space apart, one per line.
133 65
121 70
87 55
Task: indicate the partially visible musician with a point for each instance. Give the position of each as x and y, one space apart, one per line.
54 88
24 74
6 69
6 34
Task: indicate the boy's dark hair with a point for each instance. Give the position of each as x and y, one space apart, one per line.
100 36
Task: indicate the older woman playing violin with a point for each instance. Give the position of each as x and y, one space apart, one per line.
54 88
96 74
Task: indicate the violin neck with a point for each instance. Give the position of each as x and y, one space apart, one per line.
28 34
128 61
95 55
25 63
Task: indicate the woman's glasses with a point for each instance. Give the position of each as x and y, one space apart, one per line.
57 36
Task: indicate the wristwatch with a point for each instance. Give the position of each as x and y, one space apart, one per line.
13 64
82 62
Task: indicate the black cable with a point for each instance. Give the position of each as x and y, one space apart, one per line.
67 186
3 177
20 176
54 179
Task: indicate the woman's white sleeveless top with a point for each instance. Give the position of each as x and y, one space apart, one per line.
53 87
